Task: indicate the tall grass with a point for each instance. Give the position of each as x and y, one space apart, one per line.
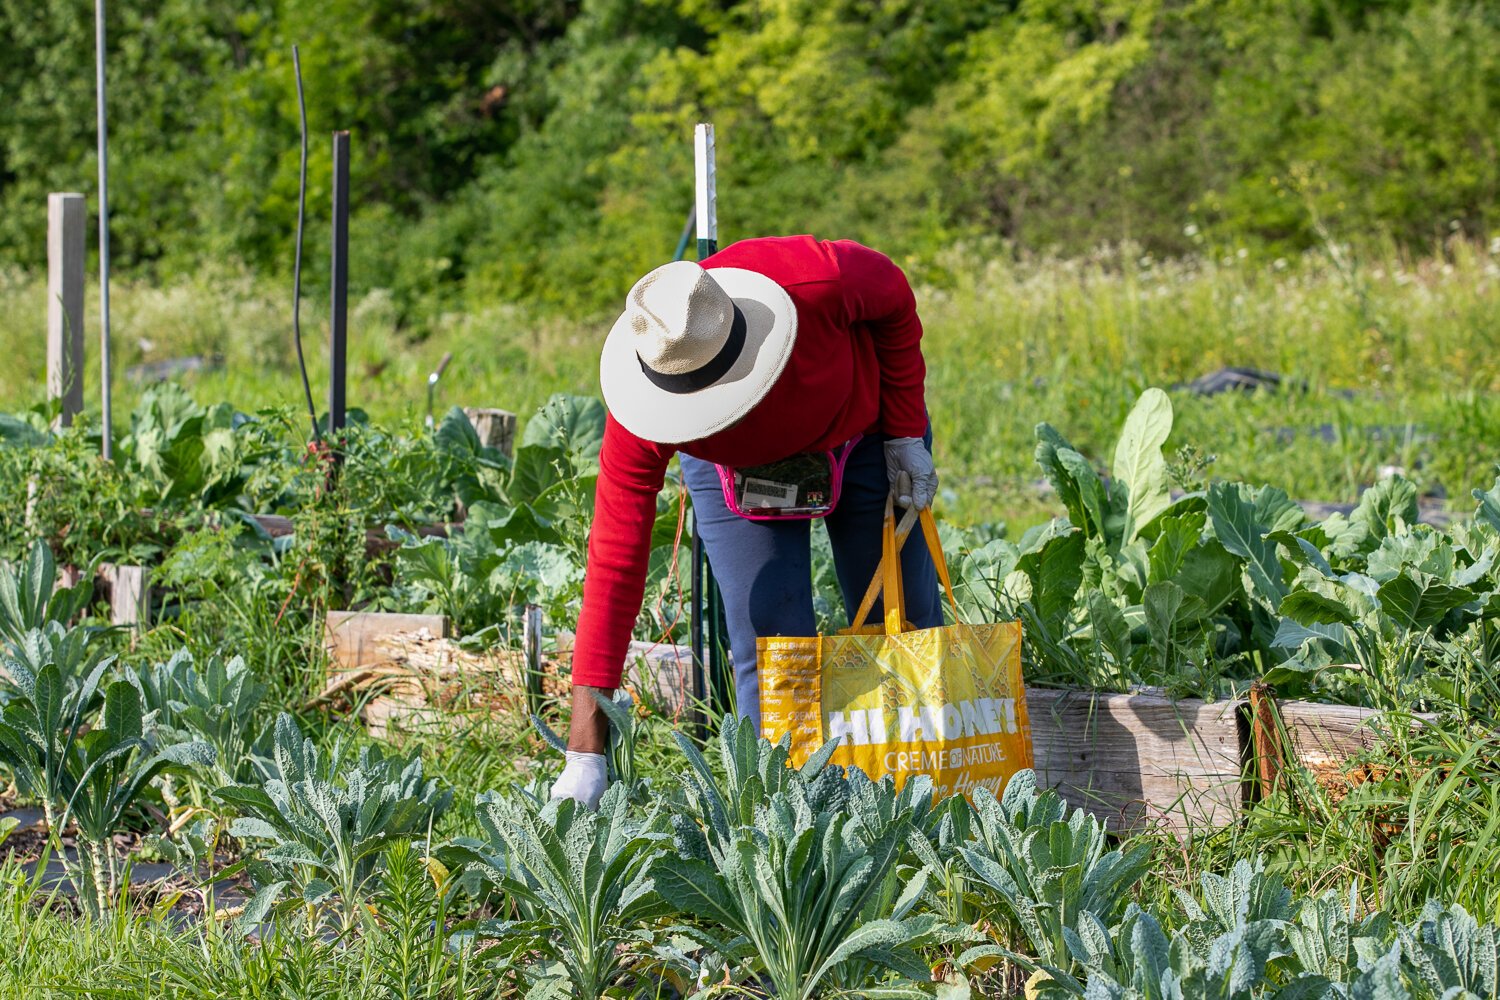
1390 360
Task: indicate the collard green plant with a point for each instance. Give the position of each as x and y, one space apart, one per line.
1040 869
193 847
580 880
1204 593
937 847
1330 941
753 769
115 763
1141 962
1135 587
787 872
79 747
1239 946
525 533
1248 894
323 821
218 704
30 597
476 471
1453 956
186 450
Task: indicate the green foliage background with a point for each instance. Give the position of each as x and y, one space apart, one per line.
539 150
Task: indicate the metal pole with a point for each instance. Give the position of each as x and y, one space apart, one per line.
432 381
338 326
695 633
106 433
707 208
708 615
687 234
531 644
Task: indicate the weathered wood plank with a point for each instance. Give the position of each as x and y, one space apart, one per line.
1324 738
390 717
418 677
1136 761
352 637
496 428
660 675
129 591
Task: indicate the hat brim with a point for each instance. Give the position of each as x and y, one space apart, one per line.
654 414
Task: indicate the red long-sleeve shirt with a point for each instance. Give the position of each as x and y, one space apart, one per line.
856 368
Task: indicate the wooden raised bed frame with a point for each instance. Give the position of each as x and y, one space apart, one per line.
1135 761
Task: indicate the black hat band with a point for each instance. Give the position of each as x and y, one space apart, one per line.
716 368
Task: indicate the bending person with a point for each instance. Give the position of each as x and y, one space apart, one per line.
786 374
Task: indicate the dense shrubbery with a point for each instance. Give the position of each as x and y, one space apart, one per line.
540 151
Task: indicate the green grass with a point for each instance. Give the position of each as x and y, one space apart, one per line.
1392 360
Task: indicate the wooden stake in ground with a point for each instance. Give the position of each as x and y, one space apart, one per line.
67 219
1265 739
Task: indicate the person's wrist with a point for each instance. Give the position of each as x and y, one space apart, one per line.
588 729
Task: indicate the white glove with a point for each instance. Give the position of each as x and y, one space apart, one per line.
910 456
583 779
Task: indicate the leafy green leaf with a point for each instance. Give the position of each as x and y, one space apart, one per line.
1308 607
1237 512
535 469
1078 486
1417 601
571 424
1489 505
1056 573
1386 506
1139 465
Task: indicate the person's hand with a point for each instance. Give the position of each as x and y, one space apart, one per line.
583 779
908 467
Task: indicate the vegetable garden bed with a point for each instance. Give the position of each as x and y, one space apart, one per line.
1134 761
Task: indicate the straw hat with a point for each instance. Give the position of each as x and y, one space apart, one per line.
695 350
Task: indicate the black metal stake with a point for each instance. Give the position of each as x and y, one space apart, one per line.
338 339
695 632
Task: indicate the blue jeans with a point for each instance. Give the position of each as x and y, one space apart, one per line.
764 568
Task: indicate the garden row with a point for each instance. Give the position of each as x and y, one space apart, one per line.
738 874
1134 761
1225 593
1194 593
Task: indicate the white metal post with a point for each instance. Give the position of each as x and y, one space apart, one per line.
707 185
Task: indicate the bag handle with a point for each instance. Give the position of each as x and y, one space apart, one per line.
887 577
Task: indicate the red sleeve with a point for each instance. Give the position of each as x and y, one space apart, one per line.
631 472
877 295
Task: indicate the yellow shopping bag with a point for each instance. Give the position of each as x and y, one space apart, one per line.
946 702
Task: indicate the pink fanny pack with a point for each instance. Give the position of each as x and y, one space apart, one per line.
802 487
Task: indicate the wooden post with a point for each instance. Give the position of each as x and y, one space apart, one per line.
496 428
1265 740
129 595
67 219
